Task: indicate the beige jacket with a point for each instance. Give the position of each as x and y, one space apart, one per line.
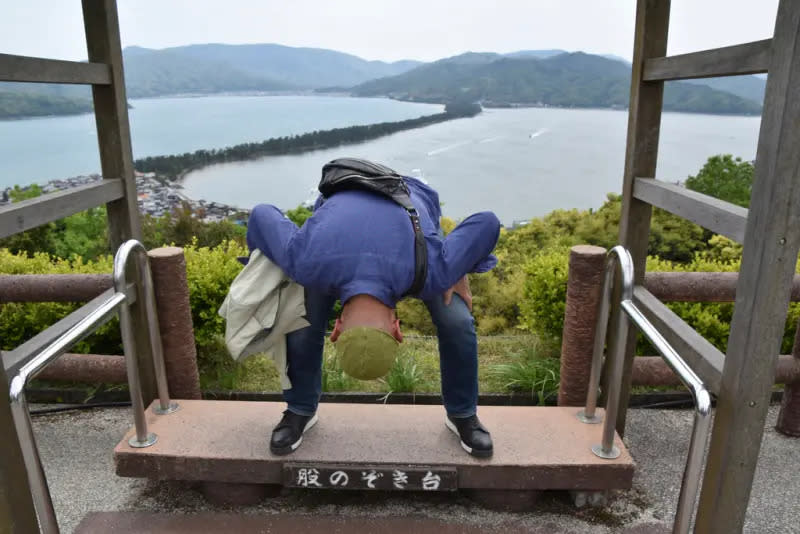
262 306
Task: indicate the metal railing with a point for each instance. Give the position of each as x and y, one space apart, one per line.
619 259
120 302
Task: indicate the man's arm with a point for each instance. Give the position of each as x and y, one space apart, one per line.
269 231
468 248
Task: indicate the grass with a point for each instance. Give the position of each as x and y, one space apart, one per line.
529 371
504 364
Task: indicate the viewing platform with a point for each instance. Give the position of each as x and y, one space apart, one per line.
536 448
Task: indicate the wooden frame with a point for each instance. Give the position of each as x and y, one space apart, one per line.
113 132
716 215
35 69
641 155
748 58
703 357
20 216
769 257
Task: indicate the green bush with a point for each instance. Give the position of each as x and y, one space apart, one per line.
21 321
545 293
542 310
209 273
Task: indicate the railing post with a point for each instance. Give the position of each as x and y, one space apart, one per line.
17 512
789 416
584 283
168 265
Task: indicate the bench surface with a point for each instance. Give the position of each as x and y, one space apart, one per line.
228 441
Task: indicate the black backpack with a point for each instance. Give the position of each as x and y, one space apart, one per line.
348 174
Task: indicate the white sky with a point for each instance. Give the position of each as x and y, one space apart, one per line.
385 29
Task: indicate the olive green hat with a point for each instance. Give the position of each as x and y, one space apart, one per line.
366 353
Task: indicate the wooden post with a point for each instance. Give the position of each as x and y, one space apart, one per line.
584 283
769 257
17 512
641 154
168 265
789 416
113 133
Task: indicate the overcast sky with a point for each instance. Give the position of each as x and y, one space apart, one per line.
385 29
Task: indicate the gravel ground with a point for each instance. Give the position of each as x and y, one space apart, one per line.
76 448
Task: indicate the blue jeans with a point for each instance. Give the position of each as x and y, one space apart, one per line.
458 355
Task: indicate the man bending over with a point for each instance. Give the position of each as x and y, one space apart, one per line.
358 246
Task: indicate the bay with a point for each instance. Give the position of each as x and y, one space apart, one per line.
519 163
42 149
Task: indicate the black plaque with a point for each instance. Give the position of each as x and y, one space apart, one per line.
370 477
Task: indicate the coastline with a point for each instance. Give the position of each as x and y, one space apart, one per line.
175 167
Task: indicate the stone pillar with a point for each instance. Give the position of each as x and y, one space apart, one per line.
789 416
586 269
168 265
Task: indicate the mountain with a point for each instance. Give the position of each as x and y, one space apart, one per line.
567 80
749 87
746 86
210 68
526 77
15 105
169 72
537 53
306 68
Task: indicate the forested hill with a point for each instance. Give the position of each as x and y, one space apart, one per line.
19 105
565 80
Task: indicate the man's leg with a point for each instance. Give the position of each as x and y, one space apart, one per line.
458 355
304 357
458 361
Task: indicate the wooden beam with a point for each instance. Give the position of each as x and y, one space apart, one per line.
641 155
748 58
711 213
20 216
111 116
694 287
34 69
14 359
101 24
769 258
703 357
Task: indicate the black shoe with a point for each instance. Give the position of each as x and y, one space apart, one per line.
288 434
475 439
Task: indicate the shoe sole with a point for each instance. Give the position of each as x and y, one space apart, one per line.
471 451
294 446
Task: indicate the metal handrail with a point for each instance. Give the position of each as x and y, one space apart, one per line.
36 361
620 257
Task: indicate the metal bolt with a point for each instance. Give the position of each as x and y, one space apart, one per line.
752 404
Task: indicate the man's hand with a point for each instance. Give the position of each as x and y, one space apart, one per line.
461 288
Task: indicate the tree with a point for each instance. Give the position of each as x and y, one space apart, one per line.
726 178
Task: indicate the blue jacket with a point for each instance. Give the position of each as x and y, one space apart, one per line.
361 243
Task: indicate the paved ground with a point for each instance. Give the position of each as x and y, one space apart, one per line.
76 449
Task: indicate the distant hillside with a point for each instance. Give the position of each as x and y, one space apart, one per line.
749 87
298 67
20 105
170 72
527 77
208 69
567 80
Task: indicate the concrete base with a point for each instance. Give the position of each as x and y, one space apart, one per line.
214 523
535 448
230 494
505 500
